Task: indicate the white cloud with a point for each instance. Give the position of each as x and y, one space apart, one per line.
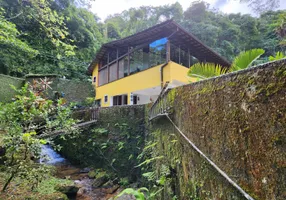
236 7
103 8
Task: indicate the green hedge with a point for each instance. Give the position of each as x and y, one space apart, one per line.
6 92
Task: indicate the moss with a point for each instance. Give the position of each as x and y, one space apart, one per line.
7 93
113 144
251 81
247 145
231 83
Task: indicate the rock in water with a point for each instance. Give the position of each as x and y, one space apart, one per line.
69 190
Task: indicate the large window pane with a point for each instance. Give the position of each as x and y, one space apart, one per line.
179 56
102 77
136 61
113 72
157 53
123 67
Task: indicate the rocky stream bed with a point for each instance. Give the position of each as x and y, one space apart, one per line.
84 186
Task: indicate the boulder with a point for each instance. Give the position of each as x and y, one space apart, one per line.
126 197
111 190
99 181
69 190
85 170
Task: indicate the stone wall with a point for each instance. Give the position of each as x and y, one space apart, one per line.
71 90
6 92
113 143
239 121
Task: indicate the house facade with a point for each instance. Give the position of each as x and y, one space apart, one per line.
133 70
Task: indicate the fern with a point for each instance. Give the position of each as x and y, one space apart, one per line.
146 162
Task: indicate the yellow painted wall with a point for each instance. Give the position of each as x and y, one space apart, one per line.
146 79
142 80
179 73
95 74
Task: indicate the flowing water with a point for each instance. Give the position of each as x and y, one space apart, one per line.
49 156
78 175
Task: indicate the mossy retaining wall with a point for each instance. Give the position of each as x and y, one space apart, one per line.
72 90
6 92
239 121
113 143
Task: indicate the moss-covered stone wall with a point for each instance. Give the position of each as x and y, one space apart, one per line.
71 90
113 143
6 92
239 121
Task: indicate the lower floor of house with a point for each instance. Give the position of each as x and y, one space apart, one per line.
138 97
133 98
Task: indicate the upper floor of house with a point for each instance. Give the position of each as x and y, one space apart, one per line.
157 45
139 65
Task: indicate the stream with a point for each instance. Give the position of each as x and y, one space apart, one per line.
65 170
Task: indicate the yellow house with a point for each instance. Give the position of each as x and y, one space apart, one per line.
133 70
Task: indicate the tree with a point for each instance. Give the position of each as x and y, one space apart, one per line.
22 121
280 27
260 6
14 52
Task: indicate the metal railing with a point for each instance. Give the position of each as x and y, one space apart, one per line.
87 114
163 104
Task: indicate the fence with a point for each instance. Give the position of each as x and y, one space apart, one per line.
85 115
162 105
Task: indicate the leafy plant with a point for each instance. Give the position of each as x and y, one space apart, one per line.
124 181
138 194
242 61
279 55
245 59
22 121
206 70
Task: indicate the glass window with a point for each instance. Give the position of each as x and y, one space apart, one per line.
113 72
102 77
157 53
105 99
120 100
179 56
103 61
115 100
123 67
146 51
125 101
136 61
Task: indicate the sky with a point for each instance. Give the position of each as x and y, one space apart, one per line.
103 8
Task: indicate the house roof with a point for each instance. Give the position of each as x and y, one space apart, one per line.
175 33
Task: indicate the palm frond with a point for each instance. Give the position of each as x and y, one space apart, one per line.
205 70
245 59
279 55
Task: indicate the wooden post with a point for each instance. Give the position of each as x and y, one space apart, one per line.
117 63
108 67
189 58
179 54
128 61
168 51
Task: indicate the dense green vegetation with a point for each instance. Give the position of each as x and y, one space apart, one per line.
244 60
21 123
46 36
